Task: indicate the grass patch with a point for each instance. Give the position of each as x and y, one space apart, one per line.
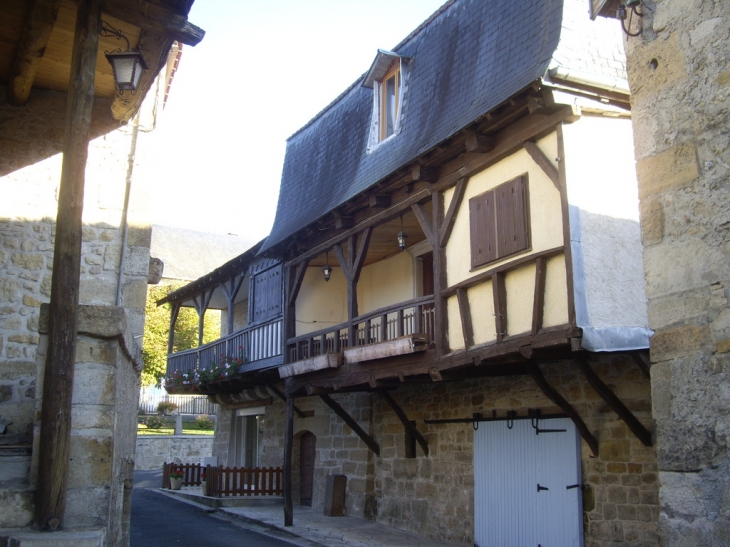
189 428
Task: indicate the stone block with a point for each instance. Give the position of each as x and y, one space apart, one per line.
669 169
679 342
616 450
28 261
94 350
16 508
134 293
652 221
91 461
9 290
93 384
647 78
87 538
12 370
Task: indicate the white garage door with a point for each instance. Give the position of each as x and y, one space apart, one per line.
526 486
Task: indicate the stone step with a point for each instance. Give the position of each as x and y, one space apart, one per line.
86 538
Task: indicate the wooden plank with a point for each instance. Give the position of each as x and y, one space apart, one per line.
499 293
503 268
359 431
404 420
389 348
288 445
55 435
34 38
328 360
156 18
552 394
643 363
612 400
440 319
425 224
538 302
565 209
465 312
450 218
478 142
543 162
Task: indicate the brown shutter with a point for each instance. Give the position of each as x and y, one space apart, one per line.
267 294
483 228
512 217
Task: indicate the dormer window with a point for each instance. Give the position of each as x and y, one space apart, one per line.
385 79
389 101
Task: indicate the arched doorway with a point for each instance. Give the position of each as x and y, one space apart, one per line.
307 453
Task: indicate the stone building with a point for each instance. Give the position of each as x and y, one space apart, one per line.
36 121
451 301
679 75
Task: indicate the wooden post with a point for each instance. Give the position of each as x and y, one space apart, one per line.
174 312
288 442
55 435
440 321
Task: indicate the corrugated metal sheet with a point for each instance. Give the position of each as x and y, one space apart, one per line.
508 466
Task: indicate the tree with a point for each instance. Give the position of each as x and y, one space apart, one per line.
157 327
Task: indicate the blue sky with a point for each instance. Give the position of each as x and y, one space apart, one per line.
264 68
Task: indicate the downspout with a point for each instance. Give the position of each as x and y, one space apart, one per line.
125 211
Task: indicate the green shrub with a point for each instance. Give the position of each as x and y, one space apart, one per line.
155 422
204 422
165 407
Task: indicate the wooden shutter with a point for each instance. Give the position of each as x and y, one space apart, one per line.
512 215
483 229
267 294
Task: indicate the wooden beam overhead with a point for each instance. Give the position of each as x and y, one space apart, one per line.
478 142
426 174
359 431
404 420
36 31
551 393
380 200
612 400
156 18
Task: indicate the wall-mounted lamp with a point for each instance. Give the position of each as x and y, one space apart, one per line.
327 269
402 236
127 65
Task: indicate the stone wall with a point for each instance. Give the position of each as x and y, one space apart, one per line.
153 451
680 81
434 495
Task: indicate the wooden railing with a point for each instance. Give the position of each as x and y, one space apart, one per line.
412 317
254 343
228 481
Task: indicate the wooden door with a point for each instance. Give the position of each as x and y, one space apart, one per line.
527 486
307 453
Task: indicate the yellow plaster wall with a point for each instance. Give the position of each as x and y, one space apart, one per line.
321 303
385 283
556 293
546 232
520 286
545 209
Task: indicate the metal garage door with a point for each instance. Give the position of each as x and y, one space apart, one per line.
525 484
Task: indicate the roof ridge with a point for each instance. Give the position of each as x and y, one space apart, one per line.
403 42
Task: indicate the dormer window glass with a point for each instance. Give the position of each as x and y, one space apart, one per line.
389 101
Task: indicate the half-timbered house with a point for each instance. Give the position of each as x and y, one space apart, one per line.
462 312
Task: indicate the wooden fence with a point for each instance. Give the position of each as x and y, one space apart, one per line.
229 481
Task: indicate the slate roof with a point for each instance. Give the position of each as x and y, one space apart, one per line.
471 56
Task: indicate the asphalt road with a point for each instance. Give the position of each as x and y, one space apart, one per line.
159 521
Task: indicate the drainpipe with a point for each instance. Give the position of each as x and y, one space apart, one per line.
125 211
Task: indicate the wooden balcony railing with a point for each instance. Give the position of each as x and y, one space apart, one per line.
253 344
412 317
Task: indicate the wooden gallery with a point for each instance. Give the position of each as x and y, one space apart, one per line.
449 311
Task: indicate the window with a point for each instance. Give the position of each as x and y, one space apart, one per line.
499 221
389 97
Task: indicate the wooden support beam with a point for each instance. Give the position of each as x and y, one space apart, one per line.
296 283
174 312
404 420
479 142
565 210
362 251
231 287
643 363
636 427
450 217
435 374
551 393
380 200
538 302
201 303
342 413
288 446
157 18
422 217
36 30
343 222
275 391
440 318
55 435
499 293
426 174
465 312
543 162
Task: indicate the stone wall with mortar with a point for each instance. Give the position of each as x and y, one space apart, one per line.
434 496
153 451
679 73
